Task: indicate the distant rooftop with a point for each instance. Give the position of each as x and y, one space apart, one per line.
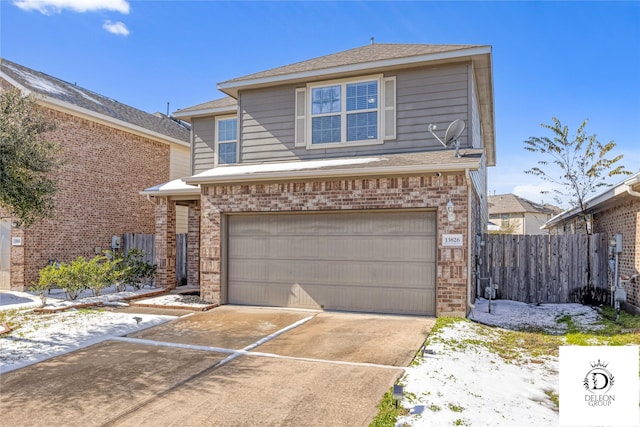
510 203
46 85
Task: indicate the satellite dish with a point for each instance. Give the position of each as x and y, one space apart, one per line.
454 131
452 134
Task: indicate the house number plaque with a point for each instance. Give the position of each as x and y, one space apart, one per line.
452 240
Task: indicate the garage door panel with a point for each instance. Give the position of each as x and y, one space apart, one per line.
335 297
377 274
400 248
364 261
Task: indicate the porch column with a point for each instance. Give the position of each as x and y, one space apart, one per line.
165 242
210 261
193 245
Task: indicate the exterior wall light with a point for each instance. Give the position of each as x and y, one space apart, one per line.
451 216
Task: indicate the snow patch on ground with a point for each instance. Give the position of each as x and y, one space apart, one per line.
464 383
521 316
43 336
172 300
472 386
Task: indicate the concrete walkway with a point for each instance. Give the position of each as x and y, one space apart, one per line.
235 366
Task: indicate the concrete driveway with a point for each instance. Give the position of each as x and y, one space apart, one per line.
235 366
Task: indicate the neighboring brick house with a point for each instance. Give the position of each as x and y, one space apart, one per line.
613 211
516 215
319 184
110 151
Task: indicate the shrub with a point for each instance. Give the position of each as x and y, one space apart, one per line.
47 278
73 278
136 271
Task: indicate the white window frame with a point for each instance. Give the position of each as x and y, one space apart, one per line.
217 142
343 113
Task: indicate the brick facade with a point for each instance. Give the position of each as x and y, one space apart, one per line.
165 242
624 218
402 192
104 169
193 246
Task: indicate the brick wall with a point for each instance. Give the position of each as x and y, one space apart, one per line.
165 242
426 191
193 246
624 219
103 171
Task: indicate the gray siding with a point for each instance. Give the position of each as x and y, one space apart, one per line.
267 125
430 95
203 144
435 95
476 132
479 180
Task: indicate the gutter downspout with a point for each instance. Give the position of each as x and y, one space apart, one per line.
469 258
632 192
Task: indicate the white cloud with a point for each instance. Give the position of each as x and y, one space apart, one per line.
47 7
533 192
116 28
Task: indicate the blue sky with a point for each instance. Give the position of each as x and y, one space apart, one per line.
572 60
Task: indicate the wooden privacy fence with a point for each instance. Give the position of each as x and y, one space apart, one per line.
543 269
146 243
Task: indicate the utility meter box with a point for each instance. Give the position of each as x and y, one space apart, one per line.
115 242
618 239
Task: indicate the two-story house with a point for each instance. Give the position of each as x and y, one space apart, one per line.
517 215
109 150
319 184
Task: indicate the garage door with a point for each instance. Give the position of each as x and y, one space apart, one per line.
381 262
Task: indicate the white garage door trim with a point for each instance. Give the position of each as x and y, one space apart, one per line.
368 261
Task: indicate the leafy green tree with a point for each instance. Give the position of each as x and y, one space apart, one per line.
578 164
27 158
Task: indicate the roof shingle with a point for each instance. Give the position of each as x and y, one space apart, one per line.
43 84
369 53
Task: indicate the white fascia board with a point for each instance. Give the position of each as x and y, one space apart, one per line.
332 173
231 88
205 112
178 192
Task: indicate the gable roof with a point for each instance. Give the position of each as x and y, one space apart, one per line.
510 203
54 91
370 53
377 56
217 106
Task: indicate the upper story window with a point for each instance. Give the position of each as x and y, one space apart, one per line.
346 112
505 220
227 140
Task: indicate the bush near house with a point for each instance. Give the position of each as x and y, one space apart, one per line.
96 274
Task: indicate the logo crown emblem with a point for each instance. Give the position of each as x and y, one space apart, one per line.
599 364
